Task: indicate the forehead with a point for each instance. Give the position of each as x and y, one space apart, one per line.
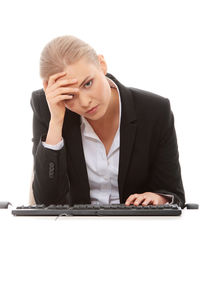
80 69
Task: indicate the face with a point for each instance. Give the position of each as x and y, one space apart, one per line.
94 92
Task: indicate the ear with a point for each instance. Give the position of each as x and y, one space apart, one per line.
45 84
102 63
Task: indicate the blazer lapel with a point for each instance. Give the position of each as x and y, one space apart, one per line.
127 139
75 156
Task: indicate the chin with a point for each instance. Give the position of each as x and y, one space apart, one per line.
97 116
93 118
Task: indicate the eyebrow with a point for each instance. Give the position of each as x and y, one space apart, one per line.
84 80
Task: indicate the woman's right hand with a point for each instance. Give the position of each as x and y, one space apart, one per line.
56 91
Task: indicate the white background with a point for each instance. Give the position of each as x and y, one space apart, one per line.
152 45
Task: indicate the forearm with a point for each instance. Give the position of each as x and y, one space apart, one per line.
50 184
50 178
165 177
54 134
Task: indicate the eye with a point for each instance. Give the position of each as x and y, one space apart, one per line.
89 82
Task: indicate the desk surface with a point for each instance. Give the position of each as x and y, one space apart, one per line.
100 257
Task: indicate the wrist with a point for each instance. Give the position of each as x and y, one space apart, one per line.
54 135
163 199
56 123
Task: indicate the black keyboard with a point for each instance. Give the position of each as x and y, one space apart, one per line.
98 210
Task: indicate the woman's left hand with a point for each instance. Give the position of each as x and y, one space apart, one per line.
146 199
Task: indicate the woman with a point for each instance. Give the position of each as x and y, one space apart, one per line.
96 140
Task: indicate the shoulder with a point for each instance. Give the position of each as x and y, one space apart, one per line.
37 97
149 99
39 104
150 104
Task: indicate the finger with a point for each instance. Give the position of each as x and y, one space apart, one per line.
53 77
147 201
139 200
155 202
130 199
61 91
54 87
61 98
65 82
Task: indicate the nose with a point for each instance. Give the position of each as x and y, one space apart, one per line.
84 102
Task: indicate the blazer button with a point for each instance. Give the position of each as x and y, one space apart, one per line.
51 169
51 164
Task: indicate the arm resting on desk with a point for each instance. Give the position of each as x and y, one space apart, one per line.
165 175
50 183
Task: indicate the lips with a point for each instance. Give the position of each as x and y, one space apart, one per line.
91 109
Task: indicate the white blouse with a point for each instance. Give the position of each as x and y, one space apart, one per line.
102 169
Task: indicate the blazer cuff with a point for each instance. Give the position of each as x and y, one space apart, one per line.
170 198
58 146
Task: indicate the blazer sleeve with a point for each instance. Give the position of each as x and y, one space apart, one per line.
165 175
50 182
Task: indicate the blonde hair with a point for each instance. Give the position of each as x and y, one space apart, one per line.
63 51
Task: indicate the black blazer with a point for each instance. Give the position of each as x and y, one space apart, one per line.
148 162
